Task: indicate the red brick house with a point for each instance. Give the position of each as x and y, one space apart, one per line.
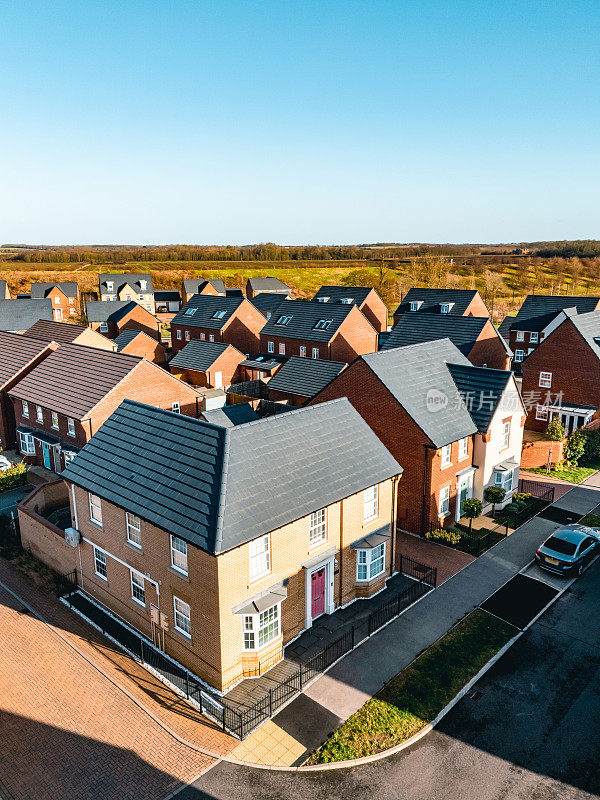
268 285
63 296
209 318
211 365
68 333
137 343
561 377
456 302
475 337
192 286
63 401
330 332
299 379
365 297
110 317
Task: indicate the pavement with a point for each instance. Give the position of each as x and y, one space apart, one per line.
527 732
9 500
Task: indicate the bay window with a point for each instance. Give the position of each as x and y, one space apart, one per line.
26 443
262 628
370 563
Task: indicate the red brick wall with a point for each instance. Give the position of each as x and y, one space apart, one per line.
354 337
63 304
145 347
243 329
489 350
375 310
476 308
535 453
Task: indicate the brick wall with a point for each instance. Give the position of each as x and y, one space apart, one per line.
476 308
146 347
540 452
243 328
62 306
354 337
46 541
375 310
488 350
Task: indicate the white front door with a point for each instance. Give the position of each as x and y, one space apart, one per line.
218 380
464 490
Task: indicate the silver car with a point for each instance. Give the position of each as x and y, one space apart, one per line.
569 550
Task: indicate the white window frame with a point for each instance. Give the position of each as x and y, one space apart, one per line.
445 308
367 561
415 305
259 557
444 507
176 407
463 448
179 334
504 479
505 434
545 380
270 347
302 351
317 527
211 337
187 336
26 443
520 336
110 285
203 336
533 337
102 561
179 615
138 583
96 519
281 348
39 414
25 407
541 412
179 554
267 624
446 456
371 503
70 426
315 352
55 422
519 356
134 532
103 327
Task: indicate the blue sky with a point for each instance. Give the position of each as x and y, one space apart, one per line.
299 122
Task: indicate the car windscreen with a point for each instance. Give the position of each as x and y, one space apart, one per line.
561 546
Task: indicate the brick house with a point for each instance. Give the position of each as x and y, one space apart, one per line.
68 333
63 401
17 316
208 364
192 286
167 301
161 534
561 377
135 286
63 296
299 379
269 285
456 302
475 337
316 330
268 304
110 317
537 318
365 297
231 320
137 343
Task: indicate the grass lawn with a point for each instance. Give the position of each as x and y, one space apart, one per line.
593 520
576 475
417 694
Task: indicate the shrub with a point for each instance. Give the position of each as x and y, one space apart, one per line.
13 477
446 535
575 447
493 495
555 430
521 497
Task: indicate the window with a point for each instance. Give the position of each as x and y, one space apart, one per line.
445 308
371 503
370 563
533 337
39 414
346 301
283 320
189 312
54 419
71 311
504 479
541 412
71 426
176 407
545 380
446 455
302 351
322 324
520 336
463 448
270 347
134 535
505 434
179 334
187 336
138 592
518 356
179 559
25 405
260 557
203 337
183 622
281 348
95 508
415 305
323 299
57 301
27 444
68 456
444 500
143 285
264 626
315 352
100 563
110 286
318 527
219 314
211 338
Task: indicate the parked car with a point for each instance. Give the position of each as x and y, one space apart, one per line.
569 550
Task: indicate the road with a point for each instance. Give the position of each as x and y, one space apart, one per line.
10 499
530 735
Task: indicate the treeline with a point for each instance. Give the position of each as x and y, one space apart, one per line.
589 248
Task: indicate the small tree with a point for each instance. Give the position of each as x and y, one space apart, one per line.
471 508
555 430
493 495
575 447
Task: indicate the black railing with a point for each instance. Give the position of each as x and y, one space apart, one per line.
537 489
427 580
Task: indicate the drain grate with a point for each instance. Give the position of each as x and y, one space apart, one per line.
474 695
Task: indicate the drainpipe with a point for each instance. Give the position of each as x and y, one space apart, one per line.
341 560
427 447
394 521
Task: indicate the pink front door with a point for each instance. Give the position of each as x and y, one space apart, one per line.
317 593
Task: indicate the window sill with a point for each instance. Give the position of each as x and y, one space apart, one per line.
180 573
443 514
182 633
364 581
97 524
445 466
316 545
102 577
370 520
137 547
138 602
258 578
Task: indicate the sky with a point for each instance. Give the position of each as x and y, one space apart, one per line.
305 122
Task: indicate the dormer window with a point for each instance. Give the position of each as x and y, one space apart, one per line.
347 301
110 285
143 285
323 299
219 314
415 305
189 312
283 320
445 307
322 324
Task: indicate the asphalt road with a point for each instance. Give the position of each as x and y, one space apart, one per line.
10 499
531 735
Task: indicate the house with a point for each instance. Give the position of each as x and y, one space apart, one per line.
335 332
159 507
167 301
267 303
18 315
260 366
256 286
64 400
136 286
4 291
299 379
63 296
67 333
561 377
456 302
192 286
475 337
232 320
537 318
18 356
110 317
137 343
209 364
365 297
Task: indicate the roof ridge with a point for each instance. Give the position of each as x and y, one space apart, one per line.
288 414
222 489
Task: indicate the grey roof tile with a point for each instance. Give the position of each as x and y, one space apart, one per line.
305 376
120 280
268 303
195 285
110 310
304 316
40 290
199 355
433 298
201 311
415 327
268 284
18 315
16 352
335 294
539 310
481 390
228 416
126 337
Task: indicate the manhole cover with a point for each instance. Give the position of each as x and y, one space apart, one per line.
560 515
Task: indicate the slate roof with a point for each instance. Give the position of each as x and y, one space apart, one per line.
417 376
206 306
415 327
433 298
214 486
268 284
481 390
16 352
267 303
114 310
304 316
228 416
199 355
166 294
305 376
588 326
504 328
358 294
40 290
127 336
19 315
194 285
539 310
74 379
121 279
51 331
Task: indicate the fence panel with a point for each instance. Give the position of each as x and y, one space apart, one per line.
537 489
